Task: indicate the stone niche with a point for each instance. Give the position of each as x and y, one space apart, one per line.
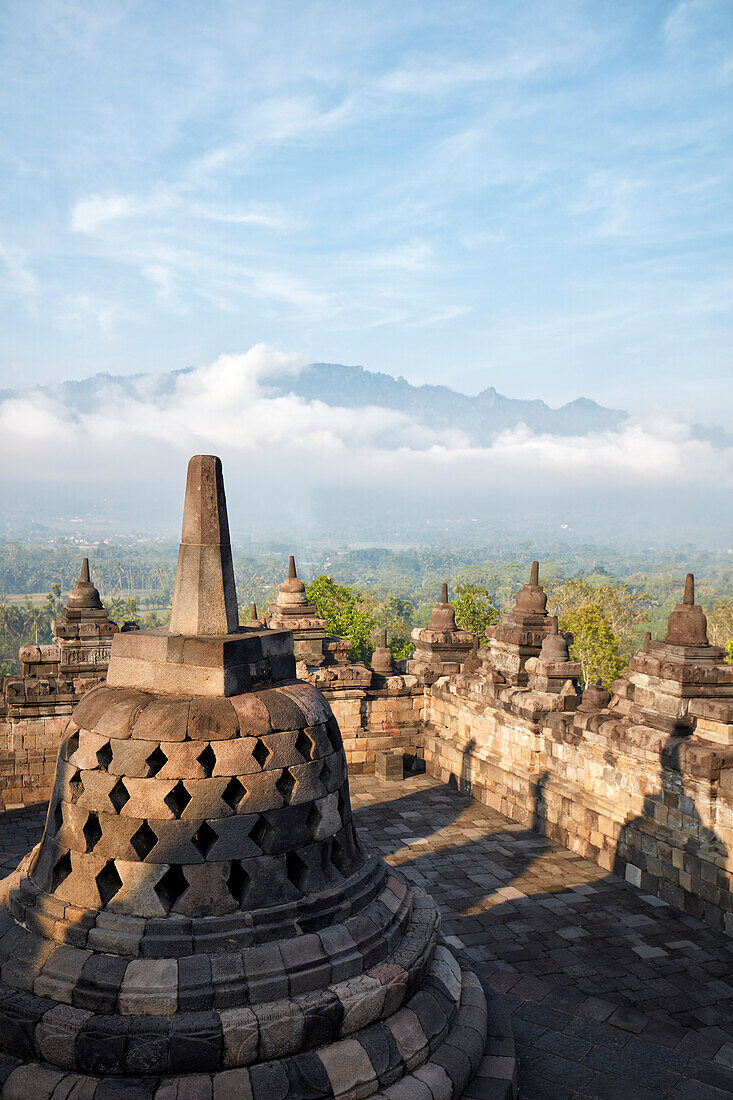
201 918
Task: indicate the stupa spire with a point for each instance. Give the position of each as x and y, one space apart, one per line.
687 624
534 573
292 571
443 616
205 597
689 596
84 595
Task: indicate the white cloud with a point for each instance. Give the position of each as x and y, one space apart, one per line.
19 277
298 445
80 309
93 214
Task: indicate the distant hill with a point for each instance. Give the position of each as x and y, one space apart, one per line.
482 416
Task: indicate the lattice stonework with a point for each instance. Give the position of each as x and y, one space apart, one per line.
200 904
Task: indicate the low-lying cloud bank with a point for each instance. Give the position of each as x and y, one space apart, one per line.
290 462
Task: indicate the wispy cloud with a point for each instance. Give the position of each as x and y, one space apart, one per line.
17 274
417 187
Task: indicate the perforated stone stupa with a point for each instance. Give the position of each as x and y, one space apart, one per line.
200 918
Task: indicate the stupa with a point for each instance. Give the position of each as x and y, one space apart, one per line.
56 676
293 612
382 659
681 685
200 918
552 671
519 634
440 647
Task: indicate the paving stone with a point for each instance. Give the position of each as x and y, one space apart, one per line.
31 1081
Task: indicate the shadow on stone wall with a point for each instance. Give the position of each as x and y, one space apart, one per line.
643 847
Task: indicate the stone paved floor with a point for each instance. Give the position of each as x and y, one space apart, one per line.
613 994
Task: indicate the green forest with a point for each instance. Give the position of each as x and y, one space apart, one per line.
607 600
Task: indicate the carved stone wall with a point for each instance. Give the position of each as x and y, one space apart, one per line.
655 809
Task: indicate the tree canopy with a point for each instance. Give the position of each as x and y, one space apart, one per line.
474 609
347 613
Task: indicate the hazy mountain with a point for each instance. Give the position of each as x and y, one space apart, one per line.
346 454
483 415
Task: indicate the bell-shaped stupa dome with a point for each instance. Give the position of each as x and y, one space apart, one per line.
200 917
443 616
531 598
554 647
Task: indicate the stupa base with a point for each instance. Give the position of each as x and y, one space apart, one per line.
413 1055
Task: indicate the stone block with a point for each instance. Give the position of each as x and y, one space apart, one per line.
163 720
149 987
99 983
56 1034
100 1045
264 968
281 1028
240 1036
363 1000
349 1069
228 980
195 988
196 1042
389 764
212 720
147 1046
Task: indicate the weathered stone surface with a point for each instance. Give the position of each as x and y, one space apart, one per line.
200 851
205 598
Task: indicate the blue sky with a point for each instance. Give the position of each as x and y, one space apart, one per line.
530 195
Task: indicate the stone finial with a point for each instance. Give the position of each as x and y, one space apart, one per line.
443 616
255 623
595 697
293 583
687 625
554 647
84 596
205 597
382 659
531 598
689 596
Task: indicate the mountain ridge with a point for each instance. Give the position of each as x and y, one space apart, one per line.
483 416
